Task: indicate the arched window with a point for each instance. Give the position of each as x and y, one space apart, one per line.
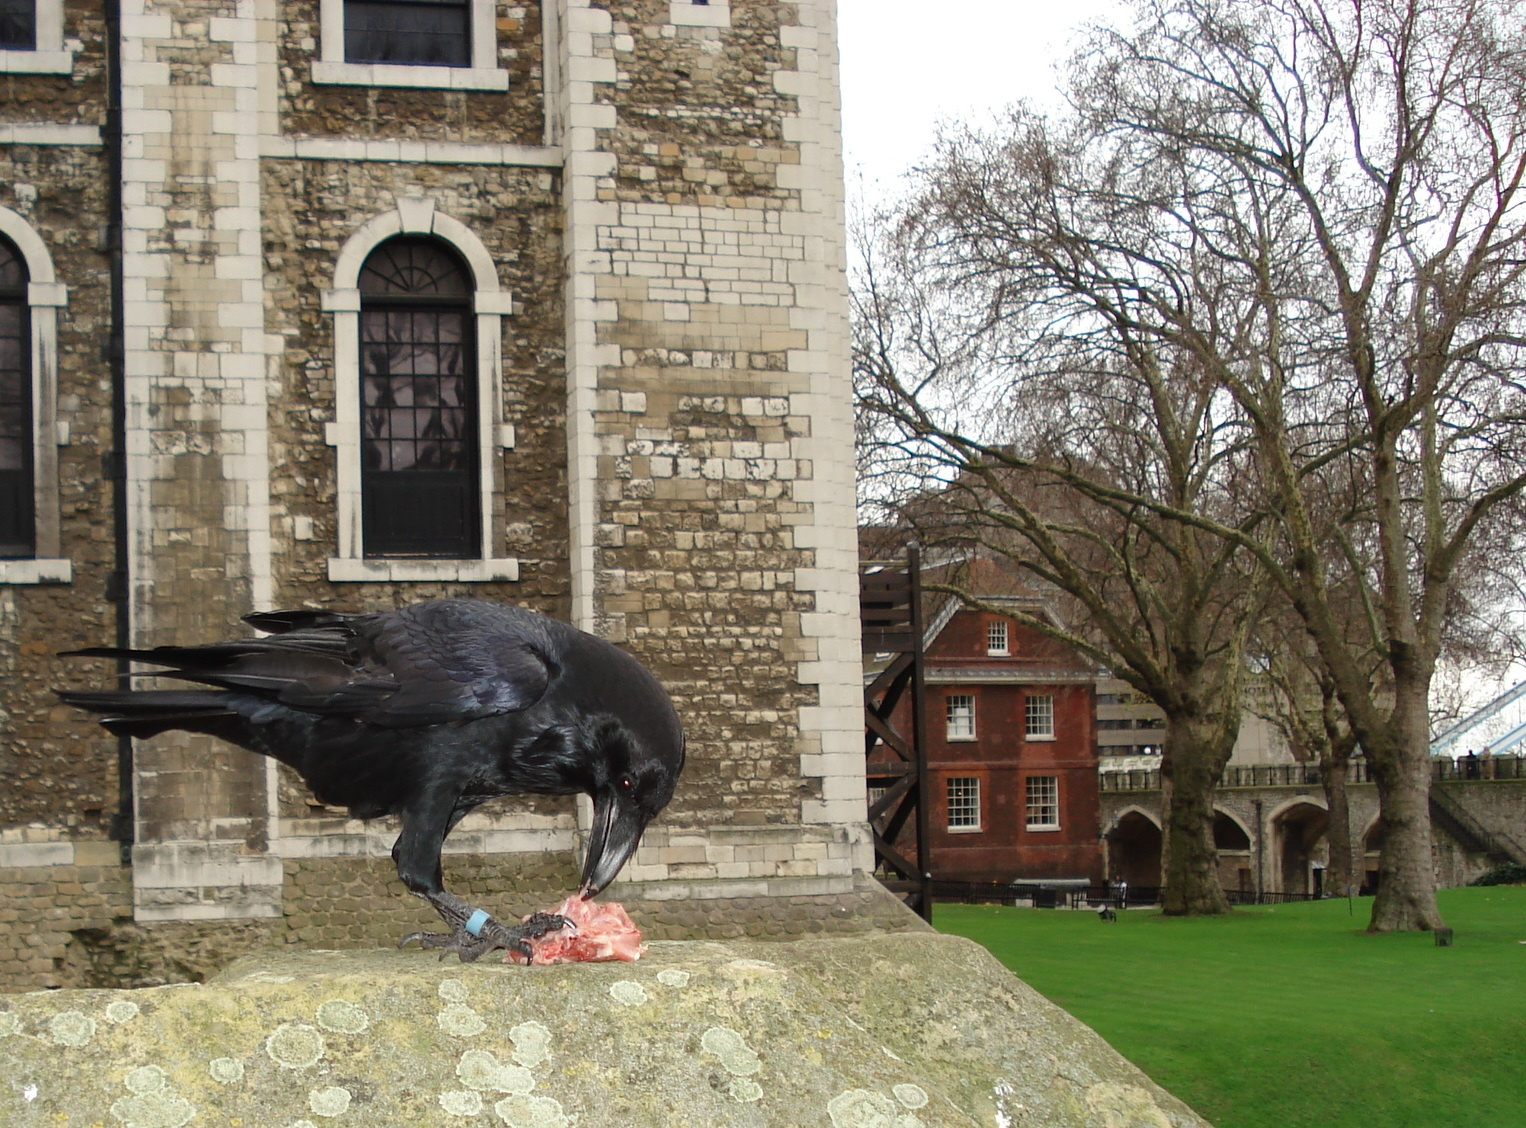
30 430
419 457
18 526
418 430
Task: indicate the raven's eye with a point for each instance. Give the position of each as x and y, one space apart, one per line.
626 783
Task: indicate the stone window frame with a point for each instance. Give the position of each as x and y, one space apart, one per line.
699 13
490 304
45 297
484 73
53 53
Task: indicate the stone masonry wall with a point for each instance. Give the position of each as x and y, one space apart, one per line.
76 98
58 768
312 208
374 112
70 925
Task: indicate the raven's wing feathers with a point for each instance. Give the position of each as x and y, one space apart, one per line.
458 659
431 663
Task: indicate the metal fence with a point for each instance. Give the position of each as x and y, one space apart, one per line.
1308 775
1089 897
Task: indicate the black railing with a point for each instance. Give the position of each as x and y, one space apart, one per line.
1089 897
1479 767
1309 775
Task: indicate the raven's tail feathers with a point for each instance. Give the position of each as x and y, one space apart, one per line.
150 712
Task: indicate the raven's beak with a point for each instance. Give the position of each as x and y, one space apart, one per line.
614 837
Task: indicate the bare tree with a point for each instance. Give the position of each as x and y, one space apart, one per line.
1071 464
1304 217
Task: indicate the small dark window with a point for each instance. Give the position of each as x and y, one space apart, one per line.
18 537
18 25
420 493
435 33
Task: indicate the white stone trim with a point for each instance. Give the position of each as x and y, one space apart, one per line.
688 13
53 54
415 216
38 570
483 74
201 880
45 297
395 151
479 833
49 133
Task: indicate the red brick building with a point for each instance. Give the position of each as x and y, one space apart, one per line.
1011 749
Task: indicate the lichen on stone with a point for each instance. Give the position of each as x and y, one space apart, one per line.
153 1110
121 1011
628 993
480 1070
295 1045
332 1100
744 1090
152 1104
912 1096
226 1070
532 1043
71 1028
861 1108
532 1112
342 1017
146 1079
452 990
736 1056
673 977
461 1102
9 1024
460 1020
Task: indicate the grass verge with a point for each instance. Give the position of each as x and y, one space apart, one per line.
1293 1016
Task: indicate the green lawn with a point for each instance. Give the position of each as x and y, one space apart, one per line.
1291 1016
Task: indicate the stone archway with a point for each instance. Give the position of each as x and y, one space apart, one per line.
1300 851
1232 842
1133 850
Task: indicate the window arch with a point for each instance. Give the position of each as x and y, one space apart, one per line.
418 401
30 299
18 526
418 411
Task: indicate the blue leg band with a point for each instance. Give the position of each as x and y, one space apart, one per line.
475 922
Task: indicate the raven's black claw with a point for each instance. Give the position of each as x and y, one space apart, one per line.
494 935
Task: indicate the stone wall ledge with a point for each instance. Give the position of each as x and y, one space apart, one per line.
849 1031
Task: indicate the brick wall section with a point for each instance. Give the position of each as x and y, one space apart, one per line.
49 891
71 925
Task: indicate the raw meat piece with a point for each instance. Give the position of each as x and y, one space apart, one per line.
604 932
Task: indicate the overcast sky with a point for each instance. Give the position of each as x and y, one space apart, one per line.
907 64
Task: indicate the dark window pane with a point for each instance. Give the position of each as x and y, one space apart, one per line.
414 267
12 269
17 528
428 32
418 417
18 25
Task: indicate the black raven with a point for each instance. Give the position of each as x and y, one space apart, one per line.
425 713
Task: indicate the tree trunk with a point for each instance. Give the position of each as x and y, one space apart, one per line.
1190 770
1340 875
1406 898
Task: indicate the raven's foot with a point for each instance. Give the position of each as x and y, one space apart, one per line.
490 934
